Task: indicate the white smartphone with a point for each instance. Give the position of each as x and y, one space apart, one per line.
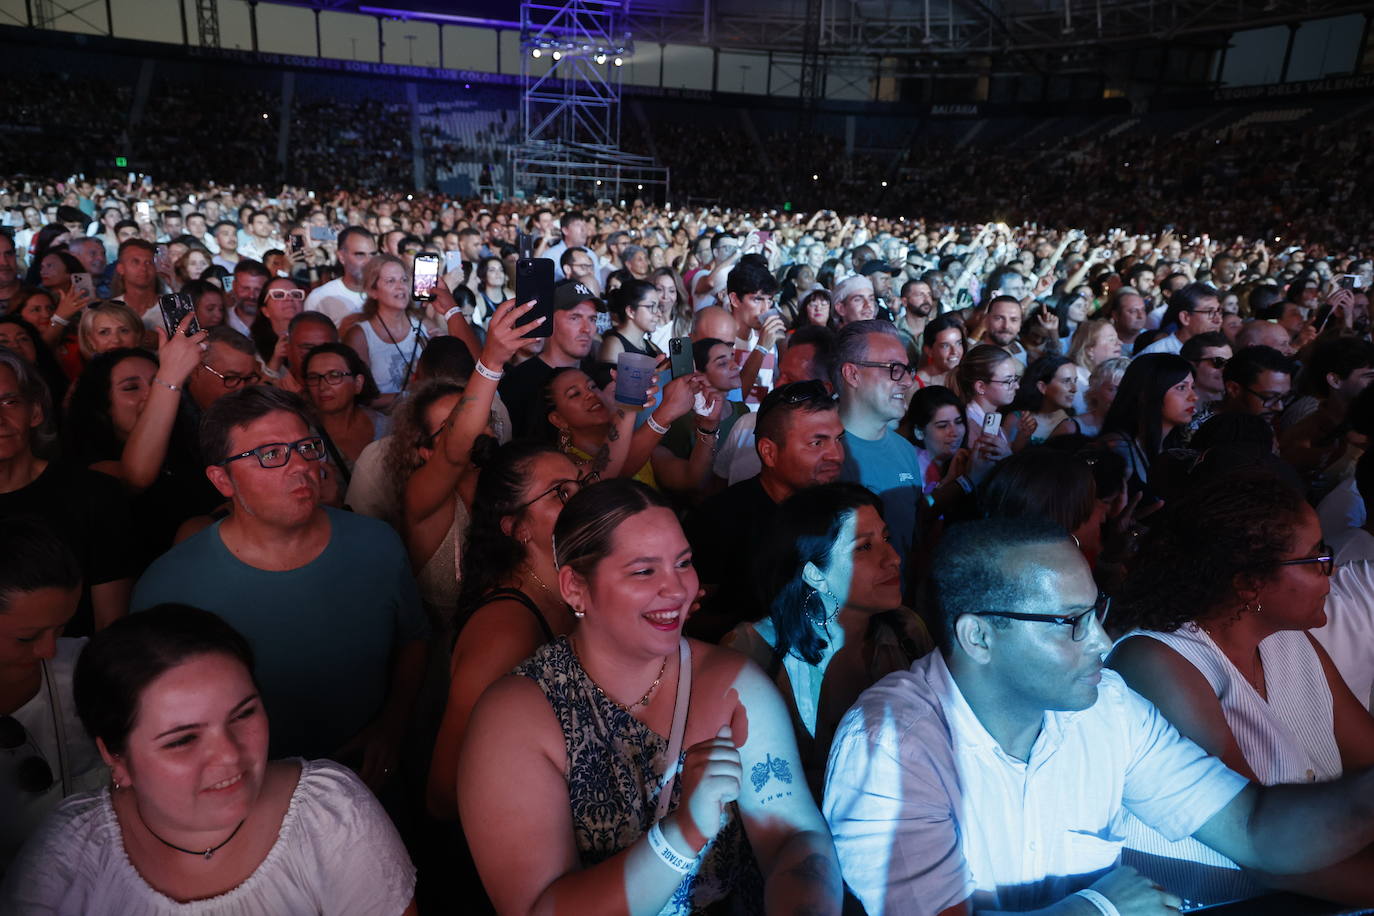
83 282
992 423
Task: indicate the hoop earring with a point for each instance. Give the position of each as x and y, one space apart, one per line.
824 617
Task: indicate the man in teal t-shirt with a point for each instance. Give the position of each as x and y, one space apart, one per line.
873 378
326 598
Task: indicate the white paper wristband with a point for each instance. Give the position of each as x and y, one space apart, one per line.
656 426
670 856
1104 906
488 373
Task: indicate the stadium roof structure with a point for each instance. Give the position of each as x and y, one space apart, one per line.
918 28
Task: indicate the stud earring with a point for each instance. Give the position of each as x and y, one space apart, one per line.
579 613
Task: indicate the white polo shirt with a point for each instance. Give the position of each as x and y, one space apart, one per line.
927 810
335 300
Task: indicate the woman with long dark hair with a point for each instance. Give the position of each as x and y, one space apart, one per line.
832 583
1154 400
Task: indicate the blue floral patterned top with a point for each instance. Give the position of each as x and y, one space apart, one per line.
615 769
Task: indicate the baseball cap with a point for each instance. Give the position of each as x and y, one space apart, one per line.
876 266
570 293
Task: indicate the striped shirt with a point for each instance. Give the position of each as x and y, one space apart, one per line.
1289 738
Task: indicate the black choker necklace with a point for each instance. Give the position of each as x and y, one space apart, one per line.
207 854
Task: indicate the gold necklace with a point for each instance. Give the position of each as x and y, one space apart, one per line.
648 694
540 582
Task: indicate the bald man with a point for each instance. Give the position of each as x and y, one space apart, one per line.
714 322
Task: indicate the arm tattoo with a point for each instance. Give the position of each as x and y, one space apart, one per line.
613 434
769 770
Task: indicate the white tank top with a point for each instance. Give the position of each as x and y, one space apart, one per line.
393 364
1289 738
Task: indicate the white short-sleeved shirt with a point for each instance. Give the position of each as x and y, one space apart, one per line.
926 807
335 300
1169 343
337 853
1348 636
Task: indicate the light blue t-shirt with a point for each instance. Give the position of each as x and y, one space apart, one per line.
323 635
889 468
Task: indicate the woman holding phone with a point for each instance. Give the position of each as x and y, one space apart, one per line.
387 336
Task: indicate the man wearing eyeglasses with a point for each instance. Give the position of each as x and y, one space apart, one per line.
325 597
1193 309
874 379
1259 381
230 362
993 775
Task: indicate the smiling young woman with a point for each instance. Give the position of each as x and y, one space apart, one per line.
196 810
587 734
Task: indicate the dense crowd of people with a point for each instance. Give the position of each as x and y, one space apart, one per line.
934 567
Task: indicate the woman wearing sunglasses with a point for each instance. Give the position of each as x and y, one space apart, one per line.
1218 605
281 300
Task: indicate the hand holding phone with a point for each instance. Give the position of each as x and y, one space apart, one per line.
534 281
680 356
992 423
424 277
175 307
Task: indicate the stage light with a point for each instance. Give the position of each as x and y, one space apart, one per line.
598 182
620 62
600 58
536 53
815 178
639 187
884 184
264 116
557 55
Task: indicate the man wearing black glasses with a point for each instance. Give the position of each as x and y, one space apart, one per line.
874 382
325 597
995 774
1259 381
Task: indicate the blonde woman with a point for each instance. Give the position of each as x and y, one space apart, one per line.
1093 342
388 335
1102 385
108 326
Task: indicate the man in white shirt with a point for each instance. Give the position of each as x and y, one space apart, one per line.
227 238
261 237
992 776
1197 309
343 296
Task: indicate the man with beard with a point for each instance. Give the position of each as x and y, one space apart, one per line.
325 597
344 296
1003 324
913 311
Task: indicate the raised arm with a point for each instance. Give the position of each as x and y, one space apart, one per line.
432 486
141 461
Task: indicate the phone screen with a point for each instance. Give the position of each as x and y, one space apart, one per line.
426 277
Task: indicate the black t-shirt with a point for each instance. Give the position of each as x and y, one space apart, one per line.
726 533
90 512
522 389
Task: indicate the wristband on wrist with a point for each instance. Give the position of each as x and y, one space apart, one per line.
456 310
486 373
964 484
168 385
703 431
656 426
670 856
59 320
1103 905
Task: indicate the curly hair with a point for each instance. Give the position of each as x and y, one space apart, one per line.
407 429
1237 525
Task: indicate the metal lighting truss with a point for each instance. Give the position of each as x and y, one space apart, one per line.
570 114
